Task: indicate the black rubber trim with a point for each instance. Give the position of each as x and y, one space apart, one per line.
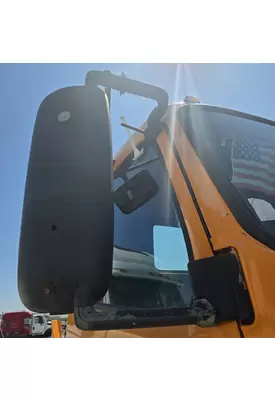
244 216
189 186
228 111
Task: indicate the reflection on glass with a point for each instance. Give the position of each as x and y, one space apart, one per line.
169 249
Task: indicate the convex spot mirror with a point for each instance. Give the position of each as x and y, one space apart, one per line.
135 192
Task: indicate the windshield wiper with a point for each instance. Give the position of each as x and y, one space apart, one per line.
134 251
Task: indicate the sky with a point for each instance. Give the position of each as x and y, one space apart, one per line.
244 87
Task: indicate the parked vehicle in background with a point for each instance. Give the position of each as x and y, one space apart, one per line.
16 324
41 326
25 324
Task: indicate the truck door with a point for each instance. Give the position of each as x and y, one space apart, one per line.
37 325
154 244
165 233
234 185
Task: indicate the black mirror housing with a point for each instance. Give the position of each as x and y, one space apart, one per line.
66 240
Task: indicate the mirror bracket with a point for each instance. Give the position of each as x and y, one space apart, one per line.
126 85
217 279
200 313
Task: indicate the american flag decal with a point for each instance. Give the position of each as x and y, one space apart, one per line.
253 165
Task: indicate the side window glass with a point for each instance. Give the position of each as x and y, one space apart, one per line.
150 252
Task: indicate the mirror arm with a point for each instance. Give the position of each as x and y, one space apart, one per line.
126 85
200 313
133 128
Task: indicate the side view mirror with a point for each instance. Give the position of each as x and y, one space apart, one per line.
67 228
66 241
136 191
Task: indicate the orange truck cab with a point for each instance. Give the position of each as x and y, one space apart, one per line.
216 193
195 255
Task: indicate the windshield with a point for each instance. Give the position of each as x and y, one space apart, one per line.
27 321
139 231
149 243
244 149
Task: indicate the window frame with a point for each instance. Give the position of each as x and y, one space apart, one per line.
244 216
37 319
